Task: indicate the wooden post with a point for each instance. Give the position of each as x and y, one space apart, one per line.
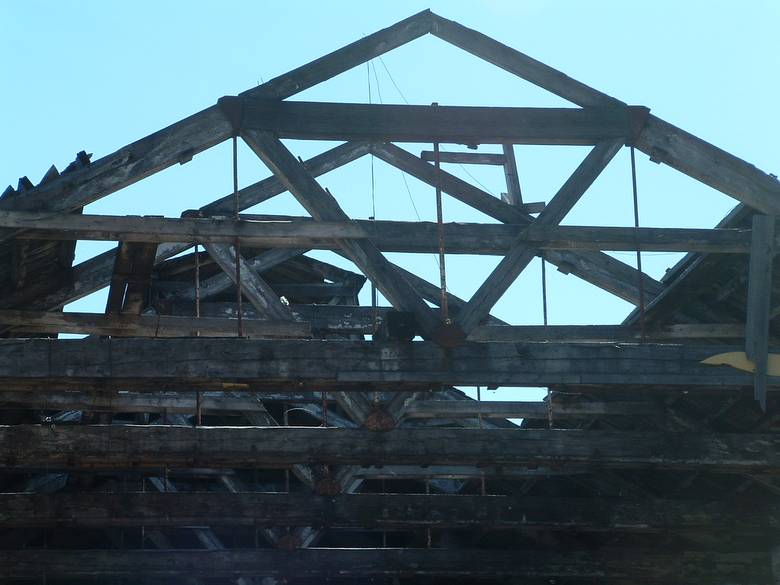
762 253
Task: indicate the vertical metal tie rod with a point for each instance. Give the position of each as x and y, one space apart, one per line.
440 230
237 246
638 249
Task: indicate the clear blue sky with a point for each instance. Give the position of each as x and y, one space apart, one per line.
97 75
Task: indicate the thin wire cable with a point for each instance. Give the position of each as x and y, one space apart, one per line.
398 89
465 170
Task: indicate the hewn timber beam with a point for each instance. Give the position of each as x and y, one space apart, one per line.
219 320
392 236
95 273
759 301
531 410
621 565
388 511
665 143
619 333
466 158
127 325
252 285
163 402
324 207
181 141
457 124
520 254
139 363
115 446
595 267
519 64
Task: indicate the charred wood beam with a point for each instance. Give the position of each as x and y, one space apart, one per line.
268 231
456 124
324 207
203 361
127 325
759 301
93 274
386 511
620 565
114 446
252 285
529 410
163 402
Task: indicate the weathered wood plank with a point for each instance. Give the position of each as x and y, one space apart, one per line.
530 410
594 267
114 446
182 140
345 58
519 64
456 124
203 361
323 206
265 231
513 191
465 158
620 565
163 402
129 325
257 290
388 511
759 299
520 255
136 161
665 143
572 333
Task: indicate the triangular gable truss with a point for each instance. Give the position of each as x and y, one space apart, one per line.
616 124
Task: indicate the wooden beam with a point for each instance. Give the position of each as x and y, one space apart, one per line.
129 325
144 363
759 299
139 280
454 124
114 446
519 64
620 565
465 158
386 511
162 402
428 409
665 143
324 207
513 193
176 143
267 231
179 142
520 255
620 333
597 268
343 59
253 287
271 186
95 273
